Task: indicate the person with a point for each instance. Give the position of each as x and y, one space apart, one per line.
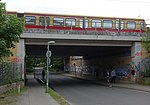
113 76
133 74
43 74
108 78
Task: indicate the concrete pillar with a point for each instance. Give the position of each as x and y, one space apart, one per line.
136 58
21 55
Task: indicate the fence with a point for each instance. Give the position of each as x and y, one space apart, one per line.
10 72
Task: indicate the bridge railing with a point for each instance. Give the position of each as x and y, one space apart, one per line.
83 32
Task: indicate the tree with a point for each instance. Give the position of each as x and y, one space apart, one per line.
146 43
58 64
11 29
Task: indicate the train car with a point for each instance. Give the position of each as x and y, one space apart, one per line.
75 22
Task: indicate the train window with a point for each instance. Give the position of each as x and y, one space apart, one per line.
30 20
20 15
42 21
85 23
58 21
107 23
96 23
121 24
131 25
70 22
47 21
142 25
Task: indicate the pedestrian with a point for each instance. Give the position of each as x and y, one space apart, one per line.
113 76
108 78
133 74
43 74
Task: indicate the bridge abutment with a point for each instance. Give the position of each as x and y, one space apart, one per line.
20 56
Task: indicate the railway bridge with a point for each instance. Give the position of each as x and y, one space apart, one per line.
84 50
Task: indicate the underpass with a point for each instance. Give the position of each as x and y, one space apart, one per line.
88 56
93 61
84 54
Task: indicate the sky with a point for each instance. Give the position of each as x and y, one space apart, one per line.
109 8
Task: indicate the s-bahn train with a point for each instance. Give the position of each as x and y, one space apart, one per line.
75 22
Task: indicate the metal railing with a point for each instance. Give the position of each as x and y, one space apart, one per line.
10 72
82 32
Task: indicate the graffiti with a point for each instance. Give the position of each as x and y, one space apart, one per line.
137 54
121 71
125 70
17 59
145 63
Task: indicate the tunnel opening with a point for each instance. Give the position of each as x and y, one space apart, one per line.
88 61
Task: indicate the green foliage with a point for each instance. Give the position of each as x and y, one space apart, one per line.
58 63
40 62
10 30
145 77
145 73
148 30
146 43
29 64
4 100
34 62
58 98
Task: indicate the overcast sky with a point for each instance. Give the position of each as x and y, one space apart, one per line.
111 8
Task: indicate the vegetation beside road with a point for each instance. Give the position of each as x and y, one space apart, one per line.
145 74
8 97
145 77
57 97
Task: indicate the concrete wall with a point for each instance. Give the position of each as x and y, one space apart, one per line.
19 55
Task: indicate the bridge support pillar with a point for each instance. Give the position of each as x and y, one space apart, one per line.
21 56
136 61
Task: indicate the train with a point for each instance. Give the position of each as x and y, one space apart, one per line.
77 22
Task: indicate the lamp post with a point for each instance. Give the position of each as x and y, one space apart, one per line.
48 55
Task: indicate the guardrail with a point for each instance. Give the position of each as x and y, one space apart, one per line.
83 32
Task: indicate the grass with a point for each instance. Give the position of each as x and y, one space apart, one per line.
58 97
145 81
7 97
4 101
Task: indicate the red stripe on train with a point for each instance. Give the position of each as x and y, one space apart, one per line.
76 28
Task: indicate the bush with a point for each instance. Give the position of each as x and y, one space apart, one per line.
145 77
145 73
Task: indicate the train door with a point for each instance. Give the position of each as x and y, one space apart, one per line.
83 23
119 24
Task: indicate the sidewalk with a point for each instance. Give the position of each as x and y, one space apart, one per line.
133 86
35 95
120 85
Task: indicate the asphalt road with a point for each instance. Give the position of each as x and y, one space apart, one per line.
81 92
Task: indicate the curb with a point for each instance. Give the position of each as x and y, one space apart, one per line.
117 86
41 80
68 103
131 88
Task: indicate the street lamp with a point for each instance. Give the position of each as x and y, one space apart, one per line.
48 55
